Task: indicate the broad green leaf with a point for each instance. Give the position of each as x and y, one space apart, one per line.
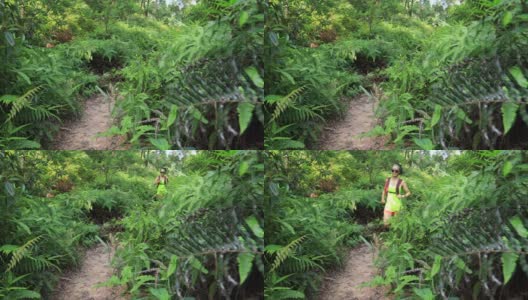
424 144
245 263
507 18
160 144
405 280
424 294
21 143
172 115
436 115
462 265
255 226
24 294
436 266
462 116
198 116
509 262
161 294
140 281
519 76
244 16
10 39
140 131
243 168
198 265
255 76
517 223
506 169
509 113
245 114
172 266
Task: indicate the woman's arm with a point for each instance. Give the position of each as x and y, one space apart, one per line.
157 181
383 196
406 189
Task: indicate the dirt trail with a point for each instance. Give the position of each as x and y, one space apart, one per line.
82 134
81 284
346 285
359 119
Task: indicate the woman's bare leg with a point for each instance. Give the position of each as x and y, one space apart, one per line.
386 218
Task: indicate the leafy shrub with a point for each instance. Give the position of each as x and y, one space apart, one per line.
42 88
307 89
183 245
38 236
467 239
464 90
202 89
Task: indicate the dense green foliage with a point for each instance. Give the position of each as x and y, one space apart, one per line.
183 76
446 76
203 240
462 233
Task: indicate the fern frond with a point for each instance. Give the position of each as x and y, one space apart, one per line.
19 102
21 252
283 103
479 101
302 114
205 238
282 254
480 239
301 264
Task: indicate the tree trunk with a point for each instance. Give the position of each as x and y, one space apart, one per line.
147 8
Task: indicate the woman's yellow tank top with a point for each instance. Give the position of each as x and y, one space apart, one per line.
394 203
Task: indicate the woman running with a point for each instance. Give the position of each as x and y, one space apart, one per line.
161 181
393 193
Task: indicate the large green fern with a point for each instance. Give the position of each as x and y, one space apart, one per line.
492 241
478 102
19 252
18 103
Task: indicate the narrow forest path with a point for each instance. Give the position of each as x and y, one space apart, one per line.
82 134
346 285
359 119
95 269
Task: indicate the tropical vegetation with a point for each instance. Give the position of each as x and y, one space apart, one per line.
462 234
185 74
203 240
447 74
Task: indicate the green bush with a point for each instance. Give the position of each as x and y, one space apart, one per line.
39 237
461 233
186 238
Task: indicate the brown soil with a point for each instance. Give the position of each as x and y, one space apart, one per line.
83 133
346 134
82 284
347 284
